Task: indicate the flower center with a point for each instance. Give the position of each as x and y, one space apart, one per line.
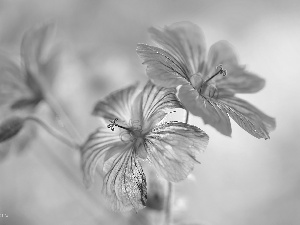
132 133
220 71
211 89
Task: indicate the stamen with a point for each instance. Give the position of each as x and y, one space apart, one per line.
113 123
220 71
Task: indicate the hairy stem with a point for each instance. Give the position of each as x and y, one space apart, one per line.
53 132
62 118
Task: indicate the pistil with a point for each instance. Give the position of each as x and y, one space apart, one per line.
113 123
220 71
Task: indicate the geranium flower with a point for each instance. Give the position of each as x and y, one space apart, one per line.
26 83
130 131
205 91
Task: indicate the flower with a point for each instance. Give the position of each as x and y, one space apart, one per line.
130 131
23 85
208 84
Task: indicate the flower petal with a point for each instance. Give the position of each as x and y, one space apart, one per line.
238 80
12 84
34 44
205 108
102 143
117 105
162 68
153 102
221 52
251 119
185 41
171 147
125 183
38 57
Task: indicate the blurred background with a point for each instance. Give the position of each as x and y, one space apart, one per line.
241 180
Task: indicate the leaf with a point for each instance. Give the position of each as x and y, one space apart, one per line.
172 148
10 127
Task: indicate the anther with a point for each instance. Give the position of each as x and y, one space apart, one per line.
220 71
113 123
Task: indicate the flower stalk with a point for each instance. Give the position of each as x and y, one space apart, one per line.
170 195
53 132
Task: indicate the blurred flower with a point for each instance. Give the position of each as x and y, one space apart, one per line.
10 128
134 133
23 85
205 90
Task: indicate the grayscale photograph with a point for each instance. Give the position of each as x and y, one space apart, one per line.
155 112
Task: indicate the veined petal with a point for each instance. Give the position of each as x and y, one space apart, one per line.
221 52
117 105
185 41
153 102
205 108
251 119
102 143
238 80
162 68
125 182
171 147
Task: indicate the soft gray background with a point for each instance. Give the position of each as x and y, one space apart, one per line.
242 180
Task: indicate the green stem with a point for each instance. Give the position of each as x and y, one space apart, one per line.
53 132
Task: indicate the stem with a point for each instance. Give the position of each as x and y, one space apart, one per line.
53 132
187 116
62 118
168 210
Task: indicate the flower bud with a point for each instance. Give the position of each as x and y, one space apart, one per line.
10 128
